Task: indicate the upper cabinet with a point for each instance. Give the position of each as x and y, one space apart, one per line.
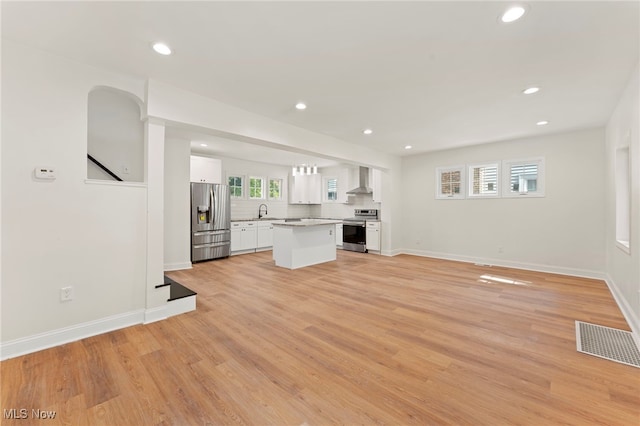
375 180
205 169
305 189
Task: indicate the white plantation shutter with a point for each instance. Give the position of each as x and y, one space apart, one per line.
450 182
332 189
524 178
483 180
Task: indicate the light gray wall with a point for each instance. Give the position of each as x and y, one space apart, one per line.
623 268
65 232
563 231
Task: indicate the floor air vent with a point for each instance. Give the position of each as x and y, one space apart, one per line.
608 343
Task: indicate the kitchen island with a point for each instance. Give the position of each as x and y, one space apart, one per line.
303 243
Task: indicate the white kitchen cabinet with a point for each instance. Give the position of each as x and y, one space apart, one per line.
339 235
305 189
205 169
373 236
375 180
265 235
243 236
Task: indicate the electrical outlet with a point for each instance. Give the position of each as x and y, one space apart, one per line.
66 294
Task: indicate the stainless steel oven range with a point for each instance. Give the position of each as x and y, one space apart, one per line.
354 230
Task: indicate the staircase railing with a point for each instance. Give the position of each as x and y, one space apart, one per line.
103 167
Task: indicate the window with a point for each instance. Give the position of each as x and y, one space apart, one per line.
330 189
256 188
235 186
275 189
523 178
623 199
483 180
450 182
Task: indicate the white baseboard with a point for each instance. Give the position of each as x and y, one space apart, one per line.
623 304
392 253
627 312
585 273
181 306
177 266
37 342
158 313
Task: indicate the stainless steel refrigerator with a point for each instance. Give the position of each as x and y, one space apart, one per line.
210 221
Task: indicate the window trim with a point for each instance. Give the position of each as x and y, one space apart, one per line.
540 181
325 189
470 167
242 185
281 197
263 195
463 183
623 217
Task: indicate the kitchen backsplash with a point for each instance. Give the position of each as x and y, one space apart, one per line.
339 210
248 209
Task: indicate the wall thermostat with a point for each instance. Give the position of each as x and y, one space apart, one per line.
45 173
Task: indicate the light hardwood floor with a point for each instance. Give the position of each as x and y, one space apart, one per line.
363 340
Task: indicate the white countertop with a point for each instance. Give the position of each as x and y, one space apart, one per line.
308 222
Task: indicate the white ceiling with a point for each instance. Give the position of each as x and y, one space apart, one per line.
433 75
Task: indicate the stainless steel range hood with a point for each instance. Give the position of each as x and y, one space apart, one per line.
363 183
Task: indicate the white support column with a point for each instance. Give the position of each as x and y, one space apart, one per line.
156 303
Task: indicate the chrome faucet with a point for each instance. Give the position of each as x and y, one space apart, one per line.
260 210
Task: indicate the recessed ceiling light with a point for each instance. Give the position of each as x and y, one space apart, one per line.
367 131
162 48
542 123
203 144
408 147
530 90
301 106
512 14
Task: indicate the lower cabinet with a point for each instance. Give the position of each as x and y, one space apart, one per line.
265 235
339 235
243 236
249 236
373 236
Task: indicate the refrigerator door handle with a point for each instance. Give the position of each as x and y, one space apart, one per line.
213 211
211 245
201 233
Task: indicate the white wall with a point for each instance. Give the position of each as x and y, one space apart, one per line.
176 106
177 205
623 269
248 209
65 232
341 210
563 232
115 135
